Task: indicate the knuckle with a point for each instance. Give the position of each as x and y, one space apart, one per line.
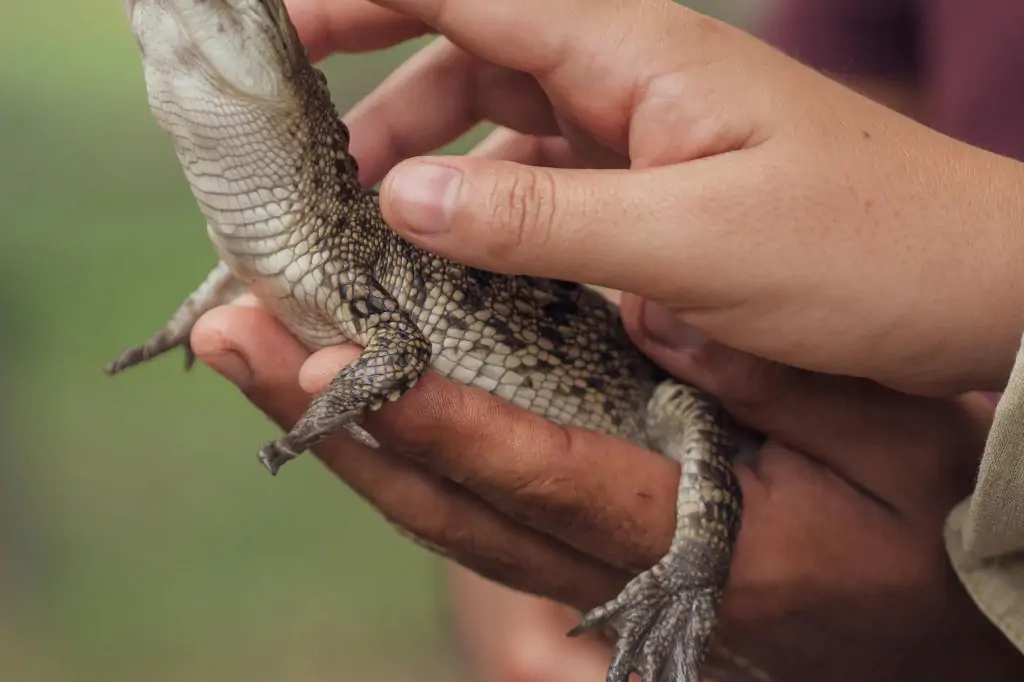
522 210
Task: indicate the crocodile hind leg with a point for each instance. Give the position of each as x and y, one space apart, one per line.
219 287
394 358
665 616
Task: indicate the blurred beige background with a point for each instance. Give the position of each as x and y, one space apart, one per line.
139 538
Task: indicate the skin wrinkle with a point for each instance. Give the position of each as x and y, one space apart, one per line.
548 502
531 210
457 521
704 134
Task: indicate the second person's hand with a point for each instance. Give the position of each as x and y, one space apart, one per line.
839 569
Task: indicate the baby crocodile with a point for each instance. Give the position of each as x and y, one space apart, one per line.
266 157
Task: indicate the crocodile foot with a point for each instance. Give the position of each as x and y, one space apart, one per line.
275 454
664 619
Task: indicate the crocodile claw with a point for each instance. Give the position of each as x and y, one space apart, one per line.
273 455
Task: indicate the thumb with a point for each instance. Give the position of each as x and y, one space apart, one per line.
571 224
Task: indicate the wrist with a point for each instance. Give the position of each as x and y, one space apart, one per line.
966 276
993 242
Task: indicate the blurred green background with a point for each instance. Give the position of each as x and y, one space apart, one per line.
139 539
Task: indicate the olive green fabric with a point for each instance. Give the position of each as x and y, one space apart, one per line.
985 533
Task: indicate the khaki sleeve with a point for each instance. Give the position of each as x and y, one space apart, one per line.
985 533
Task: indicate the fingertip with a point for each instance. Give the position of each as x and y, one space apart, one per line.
253 337
214 332
321 367
418 196
213 343
340 26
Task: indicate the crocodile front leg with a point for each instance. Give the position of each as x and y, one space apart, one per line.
395 356
219 287
665 616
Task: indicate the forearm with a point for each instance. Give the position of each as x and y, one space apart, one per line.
966 283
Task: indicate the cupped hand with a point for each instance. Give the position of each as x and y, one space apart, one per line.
839 568
653 150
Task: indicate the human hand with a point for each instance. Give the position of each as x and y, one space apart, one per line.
764 205
839 568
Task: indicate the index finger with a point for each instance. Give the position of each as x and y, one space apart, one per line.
620 45
391 124
328 26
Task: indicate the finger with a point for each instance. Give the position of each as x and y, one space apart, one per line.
530 35
532 150
622 47
550 152
246 345
436 513
598 494
392 124
327 26
573 224
591 153
852 426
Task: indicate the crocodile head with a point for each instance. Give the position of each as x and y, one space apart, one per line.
251 120
242 48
